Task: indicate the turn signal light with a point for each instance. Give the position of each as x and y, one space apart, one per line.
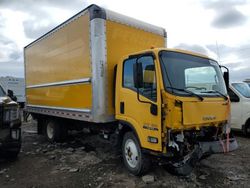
152 139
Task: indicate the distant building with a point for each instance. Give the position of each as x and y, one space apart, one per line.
17 85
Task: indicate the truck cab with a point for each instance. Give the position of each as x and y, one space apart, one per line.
240 107
10 123
177 105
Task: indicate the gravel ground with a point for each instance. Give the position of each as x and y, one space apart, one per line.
86 160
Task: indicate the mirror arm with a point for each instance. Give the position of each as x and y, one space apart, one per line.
153 109
222 66
153 112
138 95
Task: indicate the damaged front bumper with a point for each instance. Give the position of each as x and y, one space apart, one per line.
187 163
10 140
220 146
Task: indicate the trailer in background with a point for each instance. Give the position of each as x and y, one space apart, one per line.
17 85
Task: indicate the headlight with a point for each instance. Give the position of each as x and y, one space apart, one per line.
10 115
6 116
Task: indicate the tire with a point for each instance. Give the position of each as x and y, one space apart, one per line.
41 124
55 132
135 161
11 155
184 168
246 129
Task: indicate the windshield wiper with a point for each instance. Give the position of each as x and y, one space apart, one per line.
215 91
187 91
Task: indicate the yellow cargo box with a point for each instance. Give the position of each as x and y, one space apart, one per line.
70 70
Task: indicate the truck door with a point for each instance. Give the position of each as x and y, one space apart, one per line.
142 111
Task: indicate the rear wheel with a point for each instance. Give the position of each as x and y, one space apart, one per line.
41 125
55 132
135 161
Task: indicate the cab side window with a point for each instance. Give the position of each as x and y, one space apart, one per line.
149 89
128 79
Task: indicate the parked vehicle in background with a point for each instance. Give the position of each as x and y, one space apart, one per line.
247 81
240 107
99 69
16 85
10 123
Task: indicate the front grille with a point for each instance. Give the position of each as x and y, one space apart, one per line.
14 114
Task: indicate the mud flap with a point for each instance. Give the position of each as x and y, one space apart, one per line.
185 166
221 146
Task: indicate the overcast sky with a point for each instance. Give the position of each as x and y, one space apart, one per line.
220 29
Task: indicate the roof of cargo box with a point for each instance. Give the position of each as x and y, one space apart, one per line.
99 12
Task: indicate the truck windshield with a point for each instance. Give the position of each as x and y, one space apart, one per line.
242 88
184 72
2 93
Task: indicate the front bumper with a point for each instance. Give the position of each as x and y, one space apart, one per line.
10 140
221 146
185 165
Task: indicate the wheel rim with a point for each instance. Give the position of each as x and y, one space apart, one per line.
131 153
248 130
50 131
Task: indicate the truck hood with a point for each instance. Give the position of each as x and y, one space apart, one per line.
205 112
6 101
189 112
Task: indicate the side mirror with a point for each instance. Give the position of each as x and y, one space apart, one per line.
138 75
10 93
226 79
226 76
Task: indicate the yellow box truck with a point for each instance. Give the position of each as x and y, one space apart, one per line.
113 73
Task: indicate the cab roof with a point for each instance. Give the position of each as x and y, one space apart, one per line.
157 50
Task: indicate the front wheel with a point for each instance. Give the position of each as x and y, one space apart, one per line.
246 130
135 161
12 155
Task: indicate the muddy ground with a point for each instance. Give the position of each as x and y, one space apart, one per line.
86 160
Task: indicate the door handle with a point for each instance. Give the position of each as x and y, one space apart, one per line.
153 109
122 108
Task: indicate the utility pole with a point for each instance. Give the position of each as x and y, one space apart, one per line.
218 52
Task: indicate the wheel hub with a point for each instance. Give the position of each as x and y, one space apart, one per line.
131 153
248 130
50 131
